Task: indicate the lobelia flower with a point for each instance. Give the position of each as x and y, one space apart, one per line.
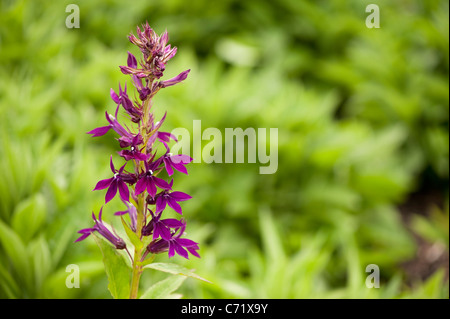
148 181
160 227
175 244
114 183
134 152
175 161
123 99
103 231
167 197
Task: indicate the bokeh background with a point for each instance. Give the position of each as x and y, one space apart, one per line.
362 116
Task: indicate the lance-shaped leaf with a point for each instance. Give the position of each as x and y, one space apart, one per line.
116 269
163 288
175 269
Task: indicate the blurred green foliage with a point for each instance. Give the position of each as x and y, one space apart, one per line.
363 122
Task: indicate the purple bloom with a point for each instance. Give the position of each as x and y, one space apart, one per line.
123 99
170 198
161 227
113 124
114 183
175 161
102 230
149 181
179 78
175 245
134 152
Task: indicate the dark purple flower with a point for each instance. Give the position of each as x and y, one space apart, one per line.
114 183
132 212
161 227
178 245
134 152
102 230
175 161
175 80
149 181
170 198
123 99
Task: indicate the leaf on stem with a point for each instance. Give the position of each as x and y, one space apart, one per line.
116 269
175 269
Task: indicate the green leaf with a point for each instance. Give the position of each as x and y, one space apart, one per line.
8 285
29 216
42 260
132 235
163 288
117 270
175 269
16 251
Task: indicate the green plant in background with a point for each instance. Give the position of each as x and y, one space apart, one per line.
363 128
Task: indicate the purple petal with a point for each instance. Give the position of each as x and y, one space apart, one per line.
111 164
131 61
141 157
112 191
174 205
114 96
168 166
103 184
151 187
126 154
180 167
193 251
180 77
164 232
172 223
180 196
161 183
181 251
187 242
161 203
123 190
99 131
171 249
85 233
140 186
120 213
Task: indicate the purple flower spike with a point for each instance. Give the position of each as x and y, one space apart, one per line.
170 198
103 231
113 184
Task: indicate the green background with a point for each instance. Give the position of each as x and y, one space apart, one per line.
362 117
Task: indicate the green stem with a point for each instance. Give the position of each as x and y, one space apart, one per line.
137 266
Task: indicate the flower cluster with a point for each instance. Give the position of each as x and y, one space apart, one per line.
143 187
